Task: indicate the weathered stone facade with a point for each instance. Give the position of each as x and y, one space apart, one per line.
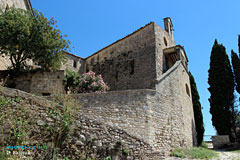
73 63
36 82
128 63
162 118
135 61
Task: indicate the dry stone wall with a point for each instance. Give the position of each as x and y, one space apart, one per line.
106 137
127 110
98 138
37 82
162 117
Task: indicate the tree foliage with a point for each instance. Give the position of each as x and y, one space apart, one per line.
236 66
236 69
221 88
27 35
197 110
71 80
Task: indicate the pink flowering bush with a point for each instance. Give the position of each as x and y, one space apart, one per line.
85 83
90 82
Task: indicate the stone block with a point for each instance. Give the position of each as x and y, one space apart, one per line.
220 141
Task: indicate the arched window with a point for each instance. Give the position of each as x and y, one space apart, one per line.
187 90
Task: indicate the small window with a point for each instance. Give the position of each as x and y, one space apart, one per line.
75 64
131 67
46 94
165 41
187 90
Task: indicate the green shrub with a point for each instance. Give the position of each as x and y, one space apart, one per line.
71 80
201 153
195 152
20 125
107 158
238 151
204 145
178 153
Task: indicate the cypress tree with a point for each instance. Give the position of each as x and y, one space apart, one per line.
239 44
197 110
236 69
221 89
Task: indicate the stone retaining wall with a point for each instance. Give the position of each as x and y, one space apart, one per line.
36 82
100 138
163 117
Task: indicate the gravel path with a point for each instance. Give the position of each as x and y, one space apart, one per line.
223 155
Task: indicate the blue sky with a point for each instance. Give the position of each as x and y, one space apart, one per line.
94 24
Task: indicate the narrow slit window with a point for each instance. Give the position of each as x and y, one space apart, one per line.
75 64
187 90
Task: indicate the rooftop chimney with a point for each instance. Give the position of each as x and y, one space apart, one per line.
168 27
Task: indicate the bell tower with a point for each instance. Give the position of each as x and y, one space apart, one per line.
168 26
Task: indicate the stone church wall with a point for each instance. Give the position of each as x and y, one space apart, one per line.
175 93
160 37
128 63
163 118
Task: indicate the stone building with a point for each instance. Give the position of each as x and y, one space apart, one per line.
73 63
150 95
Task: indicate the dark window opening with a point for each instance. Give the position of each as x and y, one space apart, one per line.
75 64
169 60
131 67
187 90
165 41
46 94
